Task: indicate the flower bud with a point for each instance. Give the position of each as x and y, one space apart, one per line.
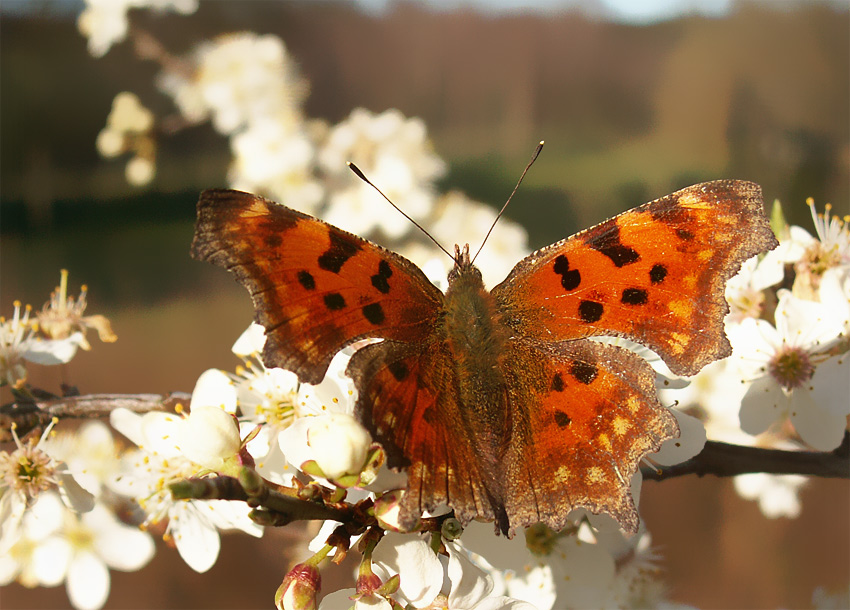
387 509
210 437
339 444
299 588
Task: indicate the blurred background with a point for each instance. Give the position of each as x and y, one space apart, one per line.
634 100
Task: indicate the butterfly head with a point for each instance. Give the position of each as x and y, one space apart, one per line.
463 264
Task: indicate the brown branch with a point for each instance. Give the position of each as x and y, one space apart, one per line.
30 415
725 460
229 488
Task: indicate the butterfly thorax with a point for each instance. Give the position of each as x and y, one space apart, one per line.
476 339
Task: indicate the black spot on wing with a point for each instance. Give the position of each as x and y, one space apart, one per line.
341 249
570 278
585 372
657 273
305 278
590 311
634 296
272 239
399 370
684 235
606 240
562 419
334 301
374 313
557 383
379 280
667 210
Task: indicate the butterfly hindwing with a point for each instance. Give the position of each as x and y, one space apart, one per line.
655 274
408 398
595 415
315 287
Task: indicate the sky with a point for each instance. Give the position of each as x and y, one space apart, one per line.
628 11
637 11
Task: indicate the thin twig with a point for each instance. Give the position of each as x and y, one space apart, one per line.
38 414
725 460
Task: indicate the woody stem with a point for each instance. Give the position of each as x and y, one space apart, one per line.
725 460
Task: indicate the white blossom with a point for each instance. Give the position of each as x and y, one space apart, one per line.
104 22
395 154
791 373
19 344
60 545
240 78
27 472
146 474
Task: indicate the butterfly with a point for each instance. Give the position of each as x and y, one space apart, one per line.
500 404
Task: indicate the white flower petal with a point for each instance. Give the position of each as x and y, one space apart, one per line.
73 494
122 547
160 433
209 437
9 569
469 583
418 566
818 427
46 517
806 324
293 441
251 341
227 515
502 603
830 385
88 582
214 389
50 561
53 351
762 405
690 442
338 600
583 574
128 423
197 541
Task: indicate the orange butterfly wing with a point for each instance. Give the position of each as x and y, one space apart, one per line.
595 415
408 396
583 413
315 288
655 274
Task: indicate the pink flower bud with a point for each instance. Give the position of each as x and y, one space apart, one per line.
299 588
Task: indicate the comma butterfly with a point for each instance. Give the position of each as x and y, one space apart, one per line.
498 403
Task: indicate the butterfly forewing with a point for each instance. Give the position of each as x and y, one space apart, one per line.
316 288
655 274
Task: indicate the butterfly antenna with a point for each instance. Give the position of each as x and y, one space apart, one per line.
363 177
499 215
